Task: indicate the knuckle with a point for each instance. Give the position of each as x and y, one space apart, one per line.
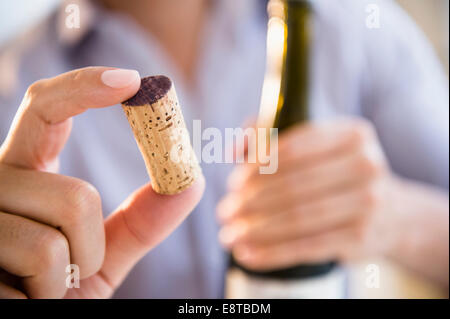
364 127
368 166
362 131
82 202
76 76
77 79
361 230
35 89
53 250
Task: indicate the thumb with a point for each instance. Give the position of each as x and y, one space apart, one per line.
143 221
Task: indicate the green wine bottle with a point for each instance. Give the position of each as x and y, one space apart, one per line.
286 86
293 101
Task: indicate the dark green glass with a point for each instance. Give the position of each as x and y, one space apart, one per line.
293 106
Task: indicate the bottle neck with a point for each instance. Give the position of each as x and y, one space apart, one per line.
293 100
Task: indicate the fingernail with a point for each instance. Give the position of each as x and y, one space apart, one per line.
120 78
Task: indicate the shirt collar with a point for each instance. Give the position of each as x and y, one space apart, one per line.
69 35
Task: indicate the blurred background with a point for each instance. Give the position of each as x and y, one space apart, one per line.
431 15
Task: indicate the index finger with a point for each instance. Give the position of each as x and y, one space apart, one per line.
40 129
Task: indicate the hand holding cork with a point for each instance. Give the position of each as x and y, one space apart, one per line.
157 122
64 214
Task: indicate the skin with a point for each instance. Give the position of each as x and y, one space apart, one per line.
48 221
334 198
339 198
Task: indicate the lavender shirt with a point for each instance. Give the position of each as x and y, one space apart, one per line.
389 75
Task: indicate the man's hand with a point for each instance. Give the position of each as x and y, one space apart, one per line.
48 221
322 204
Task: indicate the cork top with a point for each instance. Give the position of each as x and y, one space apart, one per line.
152 89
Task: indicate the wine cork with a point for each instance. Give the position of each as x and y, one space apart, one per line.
159 129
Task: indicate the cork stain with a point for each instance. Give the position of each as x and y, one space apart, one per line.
157 131
152 89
